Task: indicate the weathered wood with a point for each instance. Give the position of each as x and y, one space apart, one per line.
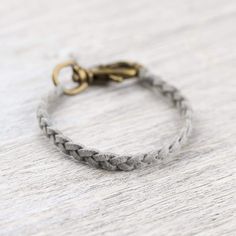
192 45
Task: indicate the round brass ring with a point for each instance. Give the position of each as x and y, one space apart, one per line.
79 88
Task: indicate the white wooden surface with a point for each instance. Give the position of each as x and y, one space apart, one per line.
192 44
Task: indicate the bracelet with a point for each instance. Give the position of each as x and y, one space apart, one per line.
117 72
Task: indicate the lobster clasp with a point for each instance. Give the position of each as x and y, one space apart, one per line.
104 73
115 72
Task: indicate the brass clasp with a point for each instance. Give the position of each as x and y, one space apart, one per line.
116 71
112 72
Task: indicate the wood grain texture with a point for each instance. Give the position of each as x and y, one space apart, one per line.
189 43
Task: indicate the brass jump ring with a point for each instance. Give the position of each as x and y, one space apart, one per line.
77 89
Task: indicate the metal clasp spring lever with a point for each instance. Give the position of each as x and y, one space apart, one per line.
112 72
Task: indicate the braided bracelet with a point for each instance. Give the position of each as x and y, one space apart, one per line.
115 72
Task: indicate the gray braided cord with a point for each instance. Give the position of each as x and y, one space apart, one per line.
111 161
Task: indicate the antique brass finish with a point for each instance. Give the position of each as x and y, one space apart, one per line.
112 72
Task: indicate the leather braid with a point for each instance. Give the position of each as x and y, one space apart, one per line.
111 161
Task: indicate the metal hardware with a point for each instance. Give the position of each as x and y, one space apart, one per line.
116 72
80 87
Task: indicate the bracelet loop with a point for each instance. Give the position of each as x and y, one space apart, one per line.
115 72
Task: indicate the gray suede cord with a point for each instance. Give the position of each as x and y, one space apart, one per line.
111 161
